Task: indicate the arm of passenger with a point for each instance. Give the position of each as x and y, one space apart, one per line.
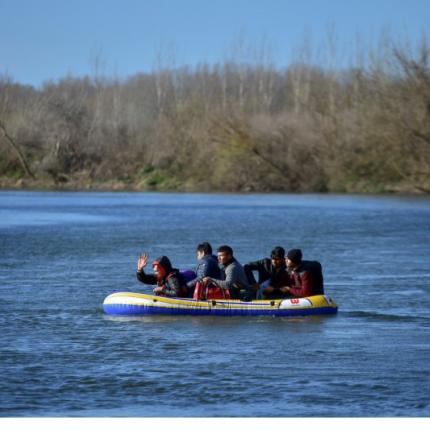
192 283
201 272
231 277
146 279
249 268
259 266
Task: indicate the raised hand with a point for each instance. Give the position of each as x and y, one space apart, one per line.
142 261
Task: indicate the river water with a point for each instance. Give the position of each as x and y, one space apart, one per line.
61 254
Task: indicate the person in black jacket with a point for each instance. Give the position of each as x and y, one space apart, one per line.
207 265
272 275
168 280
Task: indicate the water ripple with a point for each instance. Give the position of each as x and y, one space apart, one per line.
60 355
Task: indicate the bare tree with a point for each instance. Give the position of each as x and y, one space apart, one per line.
17 150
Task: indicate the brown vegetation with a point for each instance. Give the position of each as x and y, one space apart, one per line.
231 127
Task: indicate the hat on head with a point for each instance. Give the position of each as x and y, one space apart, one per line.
278 252
295 255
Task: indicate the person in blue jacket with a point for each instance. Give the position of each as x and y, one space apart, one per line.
207 266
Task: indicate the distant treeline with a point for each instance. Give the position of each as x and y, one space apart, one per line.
226 127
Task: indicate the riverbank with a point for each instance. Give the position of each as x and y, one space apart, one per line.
79 184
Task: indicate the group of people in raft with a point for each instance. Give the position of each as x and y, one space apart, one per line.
223 277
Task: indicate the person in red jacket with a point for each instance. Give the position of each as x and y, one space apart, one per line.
306 277
168 280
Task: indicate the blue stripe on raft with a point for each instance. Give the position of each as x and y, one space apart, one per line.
121 309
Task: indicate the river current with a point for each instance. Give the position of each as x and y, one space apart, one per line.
61 254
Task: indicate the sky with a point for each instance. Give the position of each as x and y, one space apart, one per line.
43 40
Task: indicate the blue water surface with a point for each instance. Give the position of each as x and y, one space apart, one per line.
61 254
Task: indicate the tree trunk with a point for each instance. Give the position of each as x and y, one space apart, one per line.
21 156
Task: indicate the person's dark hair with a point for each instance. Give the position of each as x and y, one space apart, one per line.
226 249
205 247
295 255
278 252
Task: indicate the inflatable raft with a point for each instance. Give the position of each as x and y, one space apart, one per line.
133 304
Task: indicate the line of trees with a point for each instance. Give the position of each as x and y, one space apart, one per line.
231 126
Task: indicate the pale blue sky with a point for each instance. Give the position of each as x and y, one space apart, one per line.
47 39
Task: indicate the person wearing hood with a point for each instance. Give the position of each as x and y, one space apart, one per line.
167 279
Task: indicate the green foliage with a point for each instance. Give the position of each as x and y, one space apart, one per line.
154 179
